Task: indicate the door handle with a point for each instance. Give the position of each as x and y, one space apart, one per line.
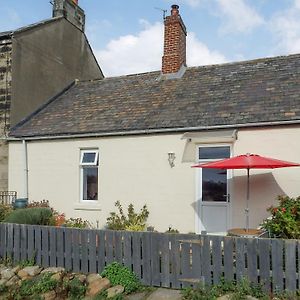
227 197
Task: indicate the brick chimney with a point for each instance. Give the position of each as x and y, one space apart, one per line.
71 11
174 43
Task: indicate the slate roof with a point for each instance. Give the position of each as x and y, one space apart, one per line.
5 34
27 27
237 94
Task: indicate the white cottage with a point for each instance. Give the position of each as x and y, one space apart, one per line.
134 139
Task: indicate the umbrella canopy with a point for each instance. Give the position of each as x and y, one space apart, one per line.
247 161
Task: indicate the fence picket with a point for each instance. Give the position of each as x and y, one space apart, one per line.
290 265
155 259
60 236
92 252
109 246
101 250
165 260
38 244
31 252
216 258
45 247
196 261
68 249
17 243
206 260
2 240
252 260
277 264
76 249
10 240
240 258
264 262
228 259
84 266
136 254
146 261
53 254
118 247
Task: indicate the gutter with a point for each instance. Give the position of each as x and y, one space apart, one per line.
153 131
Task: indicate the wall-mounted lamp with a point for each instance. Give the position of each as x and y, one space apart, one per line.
171 159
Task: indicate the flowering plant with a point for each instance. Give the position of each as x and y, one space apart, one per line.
285 218
59 219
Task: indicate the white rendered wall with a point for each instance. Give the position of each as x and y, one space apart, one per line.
136 170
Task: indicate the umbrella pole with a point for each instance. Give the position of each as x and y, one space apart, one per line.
247 200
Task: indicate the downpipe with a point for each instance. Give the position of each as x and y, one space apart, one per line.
25 171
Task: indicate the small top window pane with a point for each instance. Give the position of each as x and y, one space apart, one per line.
89 158
214 152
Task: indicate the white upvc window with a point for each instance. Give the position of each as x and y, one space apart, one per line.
89 162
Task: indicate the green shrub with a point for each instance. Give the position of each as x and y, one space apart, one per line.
32 216
118 274
237 291
133 221
285 218
5 210
37 285
76 290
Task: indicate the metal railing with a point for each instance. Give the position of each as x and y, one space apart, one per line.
7 197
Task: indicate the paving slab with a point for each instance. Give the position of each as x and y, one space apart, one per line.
165 294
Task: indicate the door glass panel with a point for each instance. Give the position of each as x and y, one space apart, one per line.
214 185
214 152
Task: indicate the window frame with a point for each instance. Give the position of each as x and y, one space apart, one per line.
94 163
90 165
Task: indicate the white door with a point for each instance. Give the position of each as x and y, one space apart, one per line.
213 191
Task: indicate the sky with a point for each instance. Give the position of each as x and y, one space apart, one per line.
127 36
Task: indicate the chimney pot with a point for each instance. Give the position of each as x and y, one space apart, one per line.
175 10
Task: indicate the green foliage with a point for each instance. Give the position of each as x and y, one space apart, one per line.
172 230
77 223
133 221
118 274
101 296
6 261
76 290
287 295
3 288
285 219
5 211
27 262
38 285
237 291
32 216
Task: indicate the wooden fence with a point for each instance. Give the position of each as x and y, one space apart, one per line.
167 260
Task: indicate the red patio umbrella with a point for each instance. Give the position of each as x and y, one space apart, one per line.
247 161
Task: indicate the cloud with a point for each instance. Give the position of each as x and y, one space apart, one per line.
285 27
238 16
199 54
142 52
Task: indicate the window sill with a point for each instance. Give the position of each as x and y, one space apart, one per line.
87 206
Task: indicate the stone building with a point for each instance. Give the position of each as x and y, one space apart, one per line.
37 62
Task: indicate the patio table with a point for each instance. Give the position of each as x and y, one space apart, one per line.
242 232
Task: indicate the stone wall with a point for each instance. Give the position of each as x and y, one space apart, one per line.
5 100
